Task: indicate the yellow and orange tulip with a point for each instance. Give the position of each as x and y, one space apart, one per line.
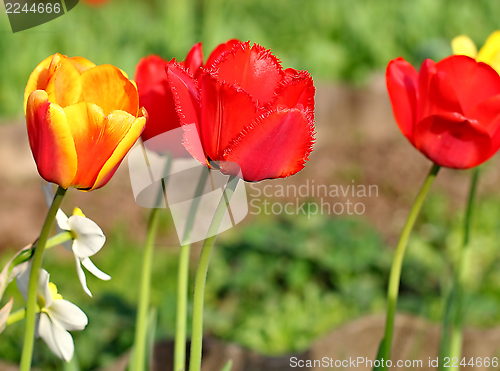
82 119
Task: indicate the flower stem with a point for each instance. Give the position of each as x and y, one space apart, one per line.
183 277
29 335
16 316
201 274
395 275
141 327
451 343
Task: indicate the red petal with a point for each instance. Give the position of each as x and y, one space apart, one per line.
186 97
487 114
473 82
453 141
436 95
401 79
296 91
225 112
149 73
219 51
254 69
194 60
276 145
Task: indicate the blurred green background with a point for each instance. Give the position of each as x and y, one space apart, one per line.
310 279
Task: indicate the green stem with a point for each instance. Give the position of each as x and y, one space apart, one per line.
16 316
29 335
201 274
26 255
141 327
456 335
183 277
395 275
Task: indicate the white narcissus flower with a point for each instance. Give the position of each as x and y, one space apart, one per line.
88 239
56 317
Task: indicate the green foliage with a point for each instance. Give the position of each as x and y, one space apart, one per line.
293 279
339 40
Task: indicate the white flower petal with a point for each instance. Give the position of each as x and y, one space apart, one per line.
43 286
62 221
4 314
56 337
5 277
61 218
68 315
23 279
89 237
87 263
81 276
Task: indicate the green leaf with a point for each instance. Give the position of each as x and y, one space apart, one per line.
228 366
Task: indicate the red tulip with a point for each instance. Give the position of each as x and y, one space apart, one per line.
156 97
450 110
247 111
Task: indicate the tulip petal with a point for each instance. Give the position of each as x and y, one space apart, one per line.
107 87
120 120
37 80
51 140
68 315
89 237
463 45
296 91
487 114
490 52
220 51
185 93
473 82
276 145
453 141
64 86
440 96
194 60
149 73
81 64
402 85
57 338
97 139
253 69
225 111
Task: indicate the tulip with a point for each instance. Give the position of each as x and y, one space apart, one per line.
450 110
156 97
489 53
248 113
82 119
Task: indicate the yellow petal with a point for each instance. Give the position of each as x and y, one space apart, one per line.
96 139
53 292
50 140
490 52
64 86
78 211
81 64
463 45
37 80
123 147
108 87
